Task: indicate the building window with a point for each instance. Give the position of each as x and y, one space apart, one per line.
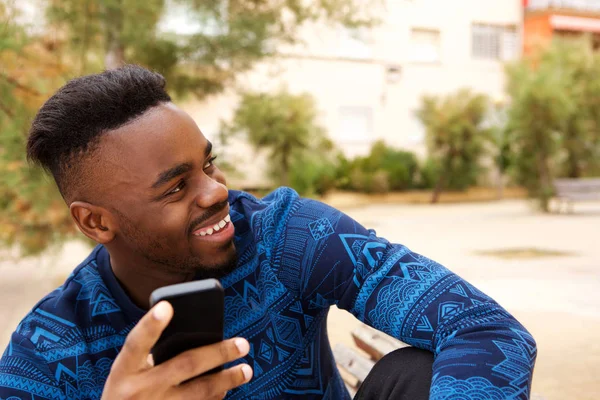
355 44
425 45
495 42
355 124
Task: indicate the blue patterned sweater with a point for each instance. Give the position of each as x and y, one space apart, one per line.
297 257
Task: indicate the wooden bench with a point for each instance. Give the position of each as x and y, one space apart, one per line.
355 365
568 191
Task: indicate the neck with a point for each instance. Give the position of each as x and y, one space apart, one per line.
139 277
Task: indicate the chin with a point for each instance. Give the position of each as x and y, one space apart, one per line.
223 267
216 272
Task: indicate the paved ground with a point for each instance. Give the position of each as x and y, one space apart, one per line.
557 299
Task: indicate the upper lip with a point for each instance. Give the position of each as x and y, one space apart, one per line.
212 221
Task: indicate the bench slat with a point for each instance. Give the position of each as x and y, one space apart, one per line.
579 196
375 343
585 180
354 363
577 189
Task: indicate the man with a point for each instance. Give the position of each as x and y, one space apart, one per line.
140 180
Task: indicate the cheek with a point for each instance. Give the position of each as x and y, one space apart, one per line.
173 220
166 225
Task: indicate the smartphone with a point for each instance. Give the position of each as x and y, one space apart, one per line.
197 318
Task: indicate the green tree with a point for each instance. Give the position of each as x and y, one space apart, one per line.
230 36
83 36
456 138
580 66
32 213
554 118
283 123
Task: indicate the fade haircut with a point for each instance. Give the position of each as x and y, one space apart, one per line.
67 129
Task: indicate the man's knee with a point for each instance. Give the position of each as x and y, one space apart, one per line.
402 374
411 361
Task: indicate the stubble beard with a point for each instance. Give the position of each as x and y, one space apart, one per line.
152 250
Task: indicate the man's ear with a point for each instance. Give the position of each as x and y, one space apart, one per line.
93 221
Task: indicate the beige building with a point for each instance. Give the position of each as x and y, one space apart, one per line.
368 83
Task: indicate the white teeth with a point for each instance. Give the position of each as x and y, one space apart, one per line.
217 227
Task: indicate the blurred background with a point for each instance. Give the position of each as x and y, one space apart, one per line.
454 127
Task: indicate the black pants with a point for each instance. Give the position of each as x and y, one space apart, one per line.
404 374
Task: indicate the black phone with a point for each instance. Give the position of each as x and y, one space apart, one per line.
197 318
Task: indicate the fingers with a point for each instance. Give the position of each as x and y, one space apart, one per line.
195 362
138 344
215 385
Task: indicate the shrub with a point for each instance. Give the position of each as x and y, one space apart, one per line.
384 169
313 174
457 137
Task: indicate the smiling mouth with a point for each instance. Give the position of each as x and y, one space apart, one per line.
213 229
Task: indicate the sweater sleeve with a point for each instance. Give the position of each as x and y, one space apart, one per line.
481 351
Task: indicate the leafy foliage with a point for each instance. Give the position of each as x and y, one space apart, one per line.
228 38
313 173
283 123
32 212
384 169
553 126
456 138
85 36
580 66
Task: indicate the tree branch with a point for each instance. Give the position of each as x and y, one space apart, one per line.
6 110
19 86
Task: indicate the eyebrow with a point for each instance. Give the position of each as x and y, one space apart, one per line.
171 173
177 170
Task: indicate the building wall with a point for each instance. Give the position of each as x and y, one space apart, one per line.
369 88
539 28
537 31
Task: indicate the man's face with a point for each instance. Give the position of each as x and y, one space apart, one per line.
169 199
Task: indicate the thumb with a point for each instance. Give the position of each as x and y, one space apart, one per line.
138 344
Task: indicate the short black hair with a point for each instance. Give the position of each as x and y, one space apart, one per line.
68 127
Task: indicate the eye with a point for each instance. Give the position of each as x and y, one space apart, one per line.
177 188
209 163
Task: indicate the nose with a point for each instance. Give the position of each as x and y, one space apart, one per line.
210 192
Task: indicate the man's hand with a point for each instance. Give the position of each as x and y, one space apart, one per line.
132 377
